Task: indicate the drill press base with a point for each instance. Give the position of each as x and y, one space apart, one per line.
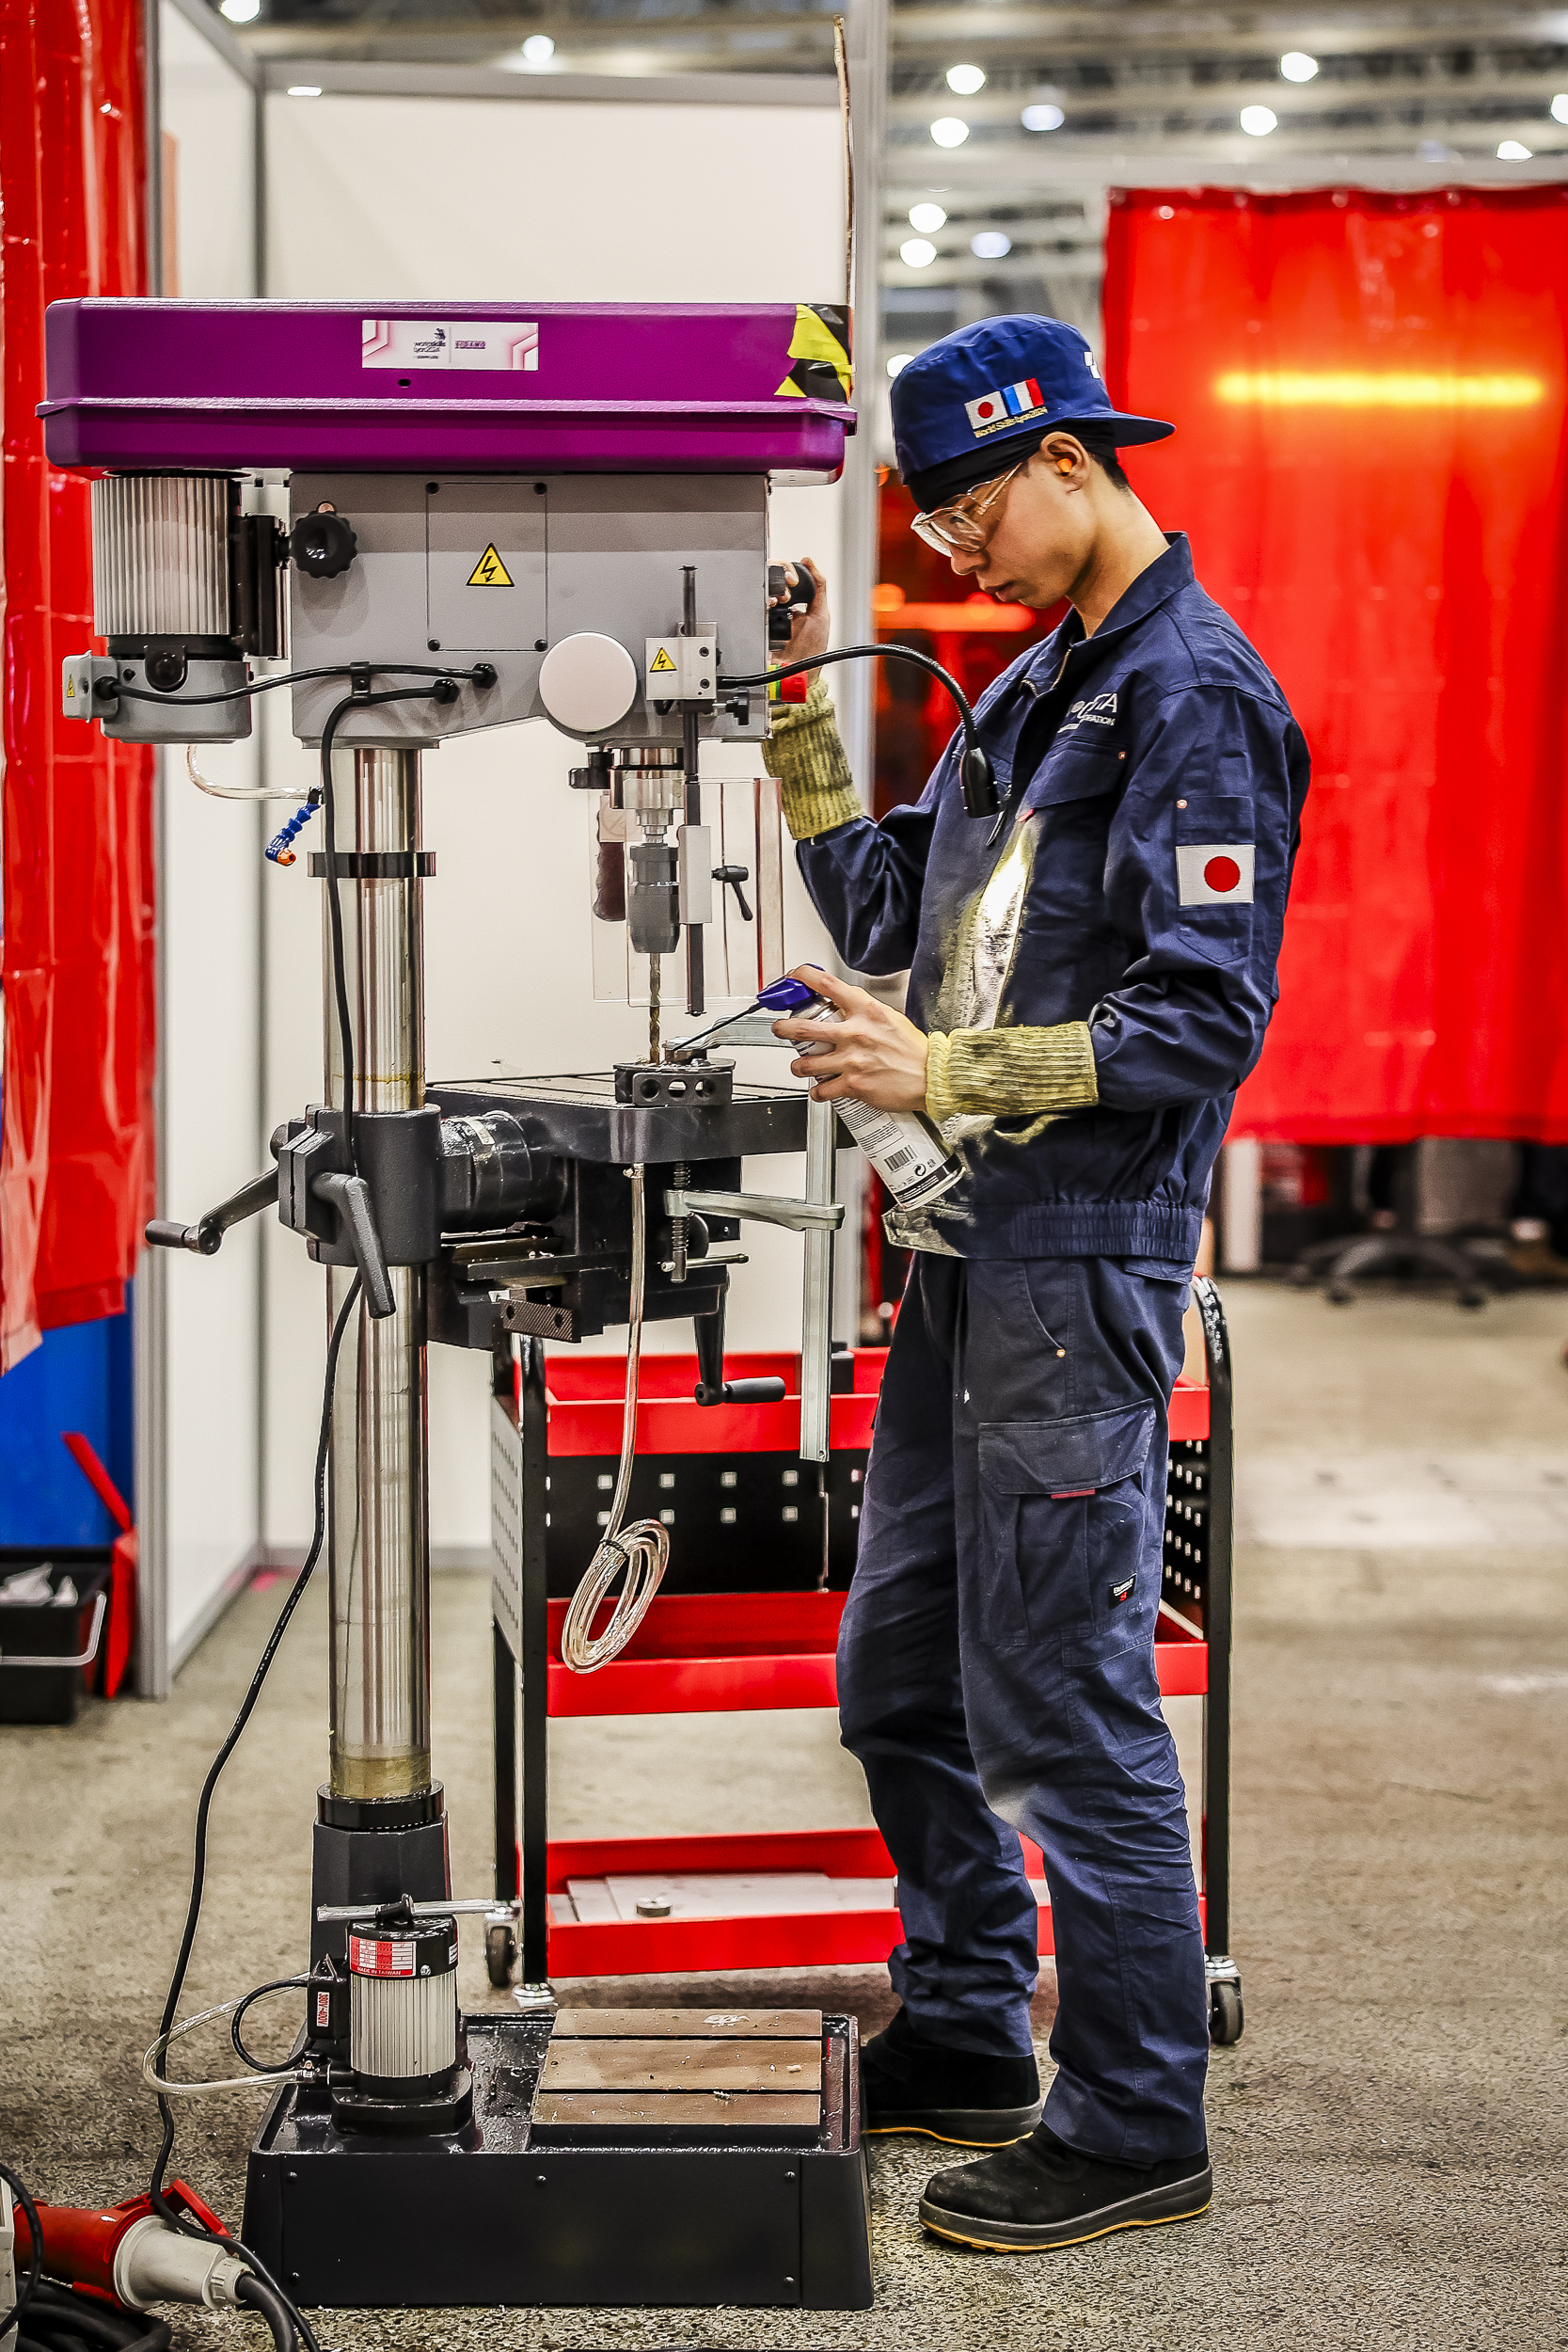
492 2214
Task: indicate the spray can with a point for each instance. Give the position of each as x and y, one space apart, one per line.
903 1146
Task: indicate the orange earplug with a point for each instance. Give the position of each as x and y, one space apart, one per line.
1063 464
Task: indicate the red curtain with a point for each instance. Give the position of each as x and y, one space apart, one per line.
77 967
1369 391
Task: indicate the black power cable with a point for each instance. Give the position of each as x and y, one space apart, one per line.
974 770
60 2320
281 1984
162 2204
481 674
35 2269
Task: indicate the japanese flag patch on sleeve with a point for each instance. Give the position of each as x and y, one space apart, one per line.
1214 873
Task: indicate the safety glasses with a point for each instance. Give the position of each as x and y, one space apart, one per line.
959 528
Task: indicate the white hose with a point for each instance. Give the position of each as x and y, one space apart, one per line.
641 1550
235 792
168 2089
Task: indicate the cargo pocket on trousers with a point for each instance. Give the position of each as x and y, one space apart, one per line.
1061 1518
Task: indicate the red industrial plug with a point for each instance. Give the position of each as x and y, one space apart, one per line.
128 2255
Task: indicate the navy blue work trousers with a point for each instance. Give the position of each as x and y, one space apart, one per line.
996 1676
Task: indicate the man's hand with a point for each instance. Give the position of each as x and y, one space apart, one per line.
809 632
874 1054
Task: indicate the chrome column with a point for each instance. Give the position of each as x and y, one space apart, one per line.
378 1513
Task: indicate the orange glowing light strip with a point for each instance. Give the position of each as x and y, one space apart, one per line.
1395 388
944 619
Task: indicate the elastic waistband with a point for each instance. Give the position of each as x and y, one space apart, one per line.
1056 1229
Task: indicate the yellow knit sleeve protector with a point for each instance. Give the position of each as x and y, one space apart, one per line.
806 755
1011 1073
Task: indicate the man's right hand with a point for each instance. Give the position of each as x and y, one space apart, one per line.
808 630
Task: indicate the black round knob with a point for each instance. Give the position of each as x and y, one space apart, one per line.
323 544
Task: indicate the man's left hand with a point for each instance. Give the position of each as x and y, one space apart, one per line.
874 1054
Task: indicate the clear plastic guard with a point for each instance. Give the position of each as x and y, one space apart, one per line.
741 955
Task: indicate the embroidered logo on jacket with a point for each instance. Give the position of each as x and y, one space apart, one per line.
1100 712
1214 873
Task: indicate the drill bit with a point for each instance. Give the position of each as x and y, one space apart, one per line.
653 1009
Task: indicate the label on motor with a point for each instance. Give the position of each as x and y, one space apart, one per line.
373 1956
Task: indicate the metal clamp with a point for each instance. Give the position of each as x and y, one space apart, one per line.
763 1208
99 1605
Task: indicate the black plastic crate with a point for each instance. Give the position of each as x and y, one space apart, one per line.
37 1630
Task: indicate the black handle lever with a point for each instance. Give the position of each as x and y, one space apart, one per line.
735 876
207 1236
351 1197
712 1388
761 1392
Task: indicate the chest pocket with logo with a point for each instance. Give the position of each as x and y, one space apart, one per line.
1214 877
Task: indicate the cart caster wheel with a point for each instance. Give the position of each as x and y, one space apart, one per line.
1472 1298
1339 1295
500 1952
1224 2013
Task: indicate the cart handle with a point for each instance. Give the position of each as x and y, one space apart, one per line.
7 1658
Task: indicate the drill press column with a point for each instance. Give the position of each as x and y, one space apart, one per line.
378 1520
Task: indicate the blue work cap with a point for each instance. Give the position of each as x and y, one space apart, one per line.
982 398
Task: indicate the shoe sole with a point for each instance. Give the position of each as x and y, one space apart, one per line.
963 2127
1182 2201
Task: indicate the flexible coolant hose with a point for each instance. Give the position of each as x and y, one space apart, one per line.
641 1550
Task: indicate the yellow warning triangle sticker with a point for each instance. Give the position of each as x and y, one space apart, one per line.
490 572
661 661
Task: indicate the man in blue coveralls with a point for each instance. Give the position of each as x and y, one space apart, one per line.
1091 974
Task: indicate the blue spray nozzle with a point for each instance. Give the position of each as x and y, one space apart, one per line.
280 849
785 995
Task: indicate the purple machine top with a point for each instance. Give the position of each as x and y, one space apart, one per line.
478 387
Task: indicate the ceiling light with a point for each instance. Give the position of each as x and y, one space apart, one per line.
918 252
927 219
538 49
1046 117
964 80
240 11
1257 122
1297 66
1514 151
989 245
304 89
1559 106
949 130
898 360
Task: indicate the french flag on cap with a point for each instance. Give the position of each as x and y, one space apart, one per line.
1001 407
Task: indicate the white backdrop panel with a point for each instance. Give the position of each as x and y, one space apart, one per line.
419 199
209 915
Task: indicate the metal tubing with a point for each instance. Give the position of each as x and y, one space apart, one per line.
816 1309
378 1514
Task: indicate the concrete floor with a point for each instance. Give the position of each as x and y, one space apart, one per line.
1389 2137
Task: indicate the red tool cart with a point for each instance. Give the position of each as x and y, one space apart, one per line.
748 1618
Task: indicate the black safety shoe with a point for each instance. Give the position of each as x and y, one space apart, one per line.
1044 2193
908 2083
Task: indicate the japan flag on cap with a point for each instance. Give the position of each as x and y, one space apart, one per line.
1214 873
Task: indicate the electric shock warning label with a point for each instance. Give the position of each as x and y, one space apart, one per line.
509 345
490 572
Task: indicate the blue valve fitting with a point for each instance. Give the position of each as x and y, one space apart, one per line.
280 848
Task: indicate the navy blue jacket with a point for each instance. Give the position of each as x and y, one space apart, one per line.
1161 732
